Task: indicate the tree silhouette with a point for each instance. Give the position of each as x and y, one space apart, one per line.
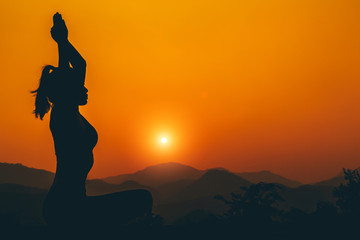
348 195
254 204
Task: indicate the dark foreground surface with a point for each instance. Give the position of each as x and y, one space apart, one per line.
210 231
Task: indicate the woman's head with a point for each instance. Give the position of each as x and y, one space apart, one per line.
60 87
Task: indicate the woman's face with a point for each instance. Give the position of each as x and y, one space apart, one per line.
65 89
83 96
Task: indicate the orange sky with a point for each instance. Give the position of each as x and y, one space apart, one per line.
243 84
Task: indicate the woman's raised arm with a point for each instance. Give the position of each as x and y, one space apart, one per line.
67 52
70 54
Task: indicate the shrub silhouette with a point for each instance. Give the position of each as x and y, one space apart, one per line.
254 204
348 194
348 201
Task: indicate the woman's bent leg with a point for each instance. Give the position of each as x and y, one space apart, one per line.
118 208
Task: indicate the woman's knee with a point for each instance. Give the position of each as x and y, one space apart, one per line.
137 199
146 198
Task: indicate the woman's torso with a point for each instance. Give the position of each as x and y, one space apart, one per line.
74 140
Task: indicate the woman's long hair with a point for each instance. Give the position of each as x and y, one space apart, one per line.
42 103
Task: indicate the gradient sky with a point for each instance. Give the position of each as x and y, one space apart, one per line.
243 84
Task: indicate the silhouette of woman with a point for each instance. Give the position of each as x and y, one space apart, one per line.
66 203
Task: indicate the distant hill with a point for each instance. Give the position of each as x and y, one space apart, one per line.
20 174
21 205
335 181
174 210
268 177
158 174
306 197
167 173
211 183
20 189
168 190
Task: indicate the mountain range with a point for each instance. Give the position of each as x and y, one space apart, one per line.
165 173
159 174
177 189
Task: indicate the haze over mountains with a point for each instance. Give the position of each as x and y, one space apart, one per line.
177 189
173 172
20 174
335 181
159 176
163 180
42 179
268 177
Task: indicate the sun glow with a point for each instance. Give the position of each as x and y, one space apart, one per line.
164 140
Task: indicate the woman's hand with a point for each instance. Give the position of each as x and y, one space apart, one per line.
59 31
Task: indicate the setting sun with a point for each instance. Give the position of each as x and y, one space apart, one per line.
164 140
